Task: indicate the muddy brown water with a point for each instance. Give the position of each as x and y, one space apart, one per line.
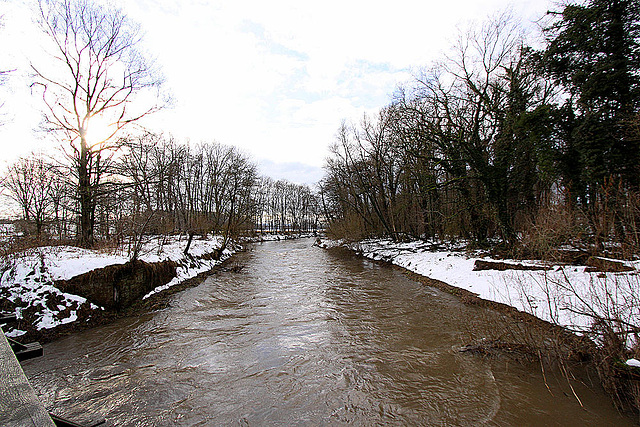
303 336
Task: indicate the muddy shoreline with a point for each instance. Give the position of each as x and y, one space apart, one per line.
154 302
580 346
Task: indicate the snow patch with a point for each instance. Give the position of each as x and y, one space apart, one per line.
634 362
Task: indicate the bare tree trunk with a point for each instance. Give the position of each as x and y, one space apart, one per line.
186 249
86 199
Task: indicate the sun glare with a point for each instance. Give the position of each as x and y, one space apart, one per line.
99 131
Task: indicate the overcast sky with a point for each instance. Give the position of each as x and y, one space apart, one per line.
274 78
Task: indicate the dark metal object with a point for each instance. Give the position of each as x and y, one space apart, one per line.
25 351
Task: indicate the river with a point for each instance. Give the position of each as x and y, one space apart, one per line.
304 336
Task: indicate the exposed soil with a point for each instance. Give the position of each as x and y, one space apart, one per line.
595 265
119 286
502 266
88 318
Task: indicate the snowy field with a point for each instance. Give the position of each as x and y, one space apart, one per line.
27 279
566 295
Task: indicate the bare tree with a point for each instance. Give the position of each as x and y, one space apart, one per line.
31 182
96 73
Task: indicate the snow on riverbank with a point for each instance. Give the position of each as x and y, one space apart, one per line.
27 279
192 266
566 295
195 266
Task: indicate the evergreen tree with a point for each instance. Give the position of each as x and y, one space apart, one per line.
594 53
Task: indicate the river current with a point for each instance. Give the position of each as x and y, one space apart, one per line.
304 336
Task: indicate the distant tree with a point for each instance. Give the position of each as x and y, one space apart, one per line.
241 177
31 182
262 198
93 80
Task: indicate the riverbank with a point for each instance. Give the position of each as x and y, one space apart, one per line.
571 296
300 333
561 313
33 282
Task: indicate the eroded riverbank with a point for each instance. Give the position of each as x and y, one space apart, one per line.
304 336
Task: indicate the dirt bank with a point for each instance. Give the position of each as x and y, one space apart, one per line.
119 288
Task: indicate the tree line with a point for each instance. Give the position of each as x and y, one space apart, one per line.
152 184
499 141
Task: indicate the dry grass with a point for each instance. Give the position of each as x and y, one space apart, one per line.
554 227
351 229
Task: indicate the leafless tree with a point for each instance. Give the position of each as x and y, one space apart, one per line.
31 184
457 153
94 78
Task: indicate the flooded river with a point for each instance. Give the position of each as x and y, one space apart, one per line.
303 336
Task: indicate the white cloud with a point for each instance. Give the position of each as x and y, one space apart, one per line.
297 172
276 78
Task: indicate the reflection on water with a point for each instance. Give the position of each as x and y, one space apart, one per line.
302 336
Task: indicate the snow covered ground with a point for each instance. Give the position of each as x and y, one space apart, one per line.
566 295
27 279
